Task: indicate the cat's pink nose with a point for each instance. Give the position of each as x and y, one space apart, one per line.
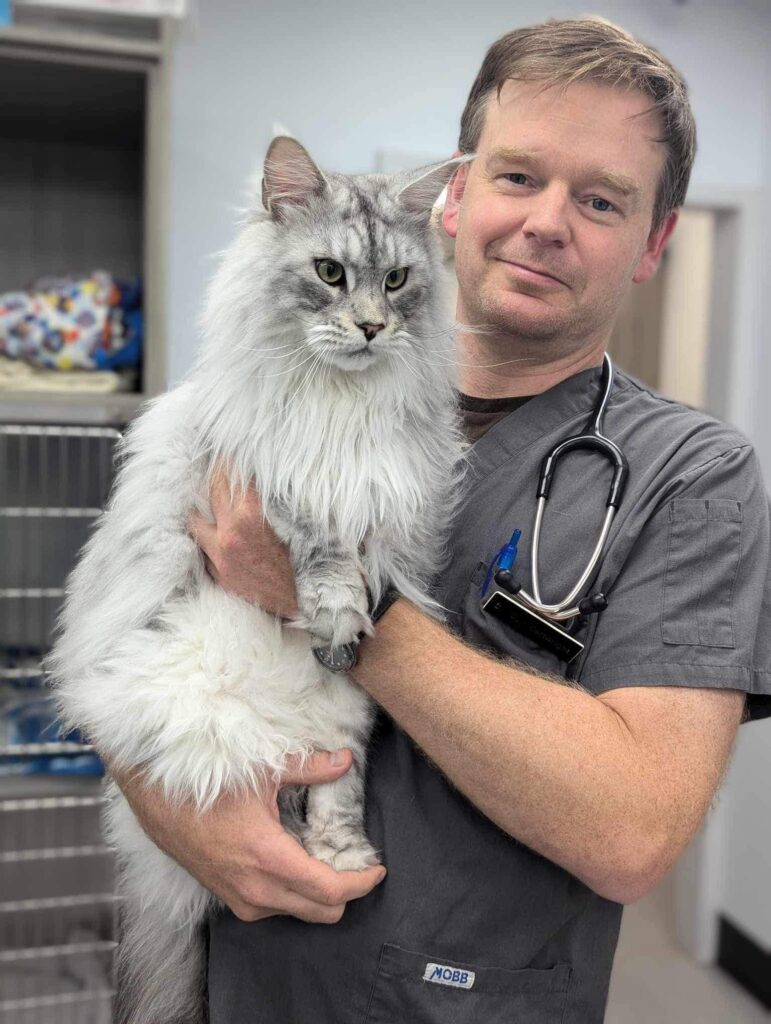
370 330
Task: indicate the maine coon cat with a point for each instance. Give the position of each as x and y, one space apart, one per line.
326 383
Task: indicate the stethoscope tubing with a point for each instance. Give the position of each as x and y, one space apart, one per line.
594 440
562 609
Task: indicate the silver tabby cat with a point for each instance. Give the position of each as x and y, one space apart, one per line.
326 383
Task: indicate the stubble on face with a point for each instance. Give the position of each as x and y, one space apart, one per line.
561 134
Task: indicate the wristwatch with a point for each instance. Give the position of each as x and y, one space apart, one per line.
343 657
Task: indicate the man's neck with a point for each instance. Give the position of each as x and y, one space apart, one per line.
487 371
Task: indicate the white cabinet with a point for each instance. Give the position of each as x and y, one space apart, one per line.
83 136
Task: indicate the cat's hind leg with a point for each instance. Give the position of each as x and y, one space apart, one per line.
291 806
334 819
334 827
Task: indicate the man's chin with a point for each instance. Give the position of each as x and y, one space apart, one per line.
523 315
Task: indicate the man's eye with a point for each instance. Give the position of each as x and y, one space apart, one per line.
605 206
516 174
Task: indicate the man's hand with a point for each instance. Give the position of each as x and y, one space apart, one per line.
243 554
239 850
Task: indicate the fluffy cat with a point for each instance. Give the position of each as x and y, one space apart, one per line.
326 383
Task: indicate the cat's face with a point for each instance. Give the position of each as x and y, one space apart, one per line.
355 261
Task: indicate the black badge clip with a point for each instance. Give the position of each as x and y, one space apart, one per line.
507 608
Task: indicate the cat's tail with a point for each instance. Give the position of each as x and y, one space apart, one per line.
160 963
160 977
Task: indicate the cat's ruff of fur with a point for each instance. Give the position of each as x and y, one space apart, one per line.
201 691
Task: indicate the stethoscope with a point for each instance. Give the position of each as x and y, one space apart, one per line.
570 606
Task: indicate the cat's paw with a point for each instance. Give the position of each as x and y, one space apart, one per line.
341 850
331 627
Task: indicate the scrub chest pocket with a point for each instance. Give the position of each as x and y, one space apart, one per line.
418 988
703 556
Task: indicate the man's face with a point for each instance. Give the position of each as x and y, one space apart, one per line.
564 184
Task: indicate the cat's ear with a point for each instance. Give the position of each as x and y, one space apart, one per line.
421 193
290 177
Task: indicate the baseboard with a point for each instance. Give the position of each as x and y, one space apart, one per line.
746 961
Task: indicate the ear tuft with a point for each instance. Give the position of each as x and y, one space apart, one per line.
421 193
290 177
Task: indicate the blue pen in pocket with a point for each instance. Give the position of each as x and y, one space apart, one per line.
505 559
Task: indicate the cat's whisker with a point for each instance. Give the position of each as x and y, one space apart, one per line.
304 388
437 359
473 328
255 374
403 358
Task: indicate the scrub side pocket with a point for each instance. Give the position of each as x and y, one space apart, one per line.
703 555
417 988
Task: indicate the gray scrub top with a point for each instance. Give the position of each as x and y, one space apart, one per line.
470 926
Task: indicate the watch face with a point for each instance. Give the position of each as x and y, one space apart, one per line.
337 659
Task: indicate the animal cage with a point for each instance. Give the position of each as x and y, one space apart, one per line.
57 905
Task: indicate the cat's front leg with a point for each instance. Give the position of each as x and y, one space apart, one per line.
329 581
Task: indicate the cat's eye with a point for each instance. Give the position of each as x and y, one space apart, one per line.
330 272
395 278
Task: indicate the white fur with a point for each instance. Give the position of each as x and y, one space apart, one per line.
203 692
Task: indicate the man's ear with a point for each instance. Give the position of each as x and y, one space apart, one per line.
654 248
455 190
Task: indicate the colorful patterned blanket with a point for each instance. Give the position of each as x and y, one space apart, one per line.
92 323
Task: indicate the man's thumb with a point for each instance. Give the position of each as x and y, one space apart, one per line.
323 766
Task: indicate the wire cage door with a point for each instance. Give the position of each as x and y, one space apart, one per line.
57 905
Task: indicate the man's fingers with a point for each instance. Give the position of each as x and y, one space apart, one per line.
220 497
330 888
228 503
323 766
317 881
203 532
289 904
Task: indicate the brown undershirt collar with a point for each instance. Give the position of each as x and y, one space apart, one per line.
479 414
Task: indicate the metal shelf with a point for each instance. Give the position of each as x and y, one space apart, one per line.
57 1001
71 409
64 949
80 42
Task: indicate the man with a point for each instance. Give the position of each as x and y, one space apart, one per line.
591 778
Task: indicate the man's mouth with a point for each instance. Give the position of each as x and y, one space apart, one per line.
535 274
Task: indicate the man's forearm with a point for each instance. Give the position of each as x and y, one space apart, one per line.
552 765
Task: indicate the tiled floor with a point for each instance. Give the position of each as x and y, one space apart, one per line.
655 982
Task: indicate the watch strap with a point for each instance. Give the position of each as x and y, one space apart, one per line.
344 657
387 598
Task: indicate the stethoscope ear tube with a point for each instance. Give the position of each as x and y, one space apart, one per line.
592 439
591 442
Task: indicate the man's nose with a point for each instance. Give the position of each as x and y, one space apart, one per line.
370 330
547 217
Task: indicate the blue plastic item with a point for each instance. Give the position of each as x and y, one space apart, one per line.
505 559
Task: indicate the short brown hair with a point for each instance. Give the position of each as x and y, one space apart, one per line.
592 49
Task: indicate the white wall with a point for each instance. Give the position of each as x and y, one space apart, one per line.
746 855
354 75
350 76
